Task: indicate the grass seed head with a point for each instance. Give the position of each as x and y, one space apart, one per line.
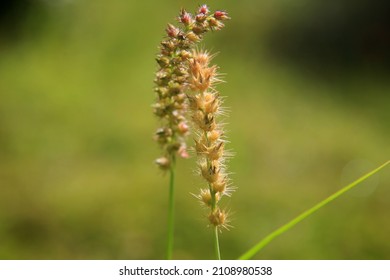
218 217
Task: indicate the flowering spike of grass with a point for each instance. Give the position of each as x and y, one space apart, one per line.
172 81
260 245
205 105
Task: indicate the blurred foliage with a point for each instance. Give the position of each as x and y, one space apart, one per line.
77 179
339 34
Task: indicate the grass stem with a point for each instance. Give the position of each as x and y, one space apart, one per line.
171 208
216 244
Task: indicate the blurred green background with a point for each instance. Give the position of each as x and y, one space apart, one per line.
308 93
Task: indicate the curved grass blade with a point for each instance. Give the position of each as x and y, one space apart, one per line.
260 245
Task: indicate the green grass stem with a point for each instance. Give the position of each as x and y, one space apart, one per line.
216 244
171 210
260 245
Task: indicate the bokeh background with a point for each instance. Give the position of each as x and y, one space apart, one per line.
308 92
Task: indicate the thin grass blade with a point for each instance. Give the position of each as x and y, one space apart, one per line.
266 240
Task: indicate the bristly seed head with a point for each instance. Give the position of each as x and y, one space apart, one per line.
205 105
206 197
218 217
163 163
220 185
182 128
185 18
203 9
210 172
172 31
192 37
221 15
185 81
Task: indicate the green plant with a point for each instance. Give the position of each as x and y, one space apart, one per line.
179 72
185 85
262 243
205 107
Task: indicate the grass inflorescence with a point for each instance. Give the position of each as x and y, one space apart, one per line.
177 77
